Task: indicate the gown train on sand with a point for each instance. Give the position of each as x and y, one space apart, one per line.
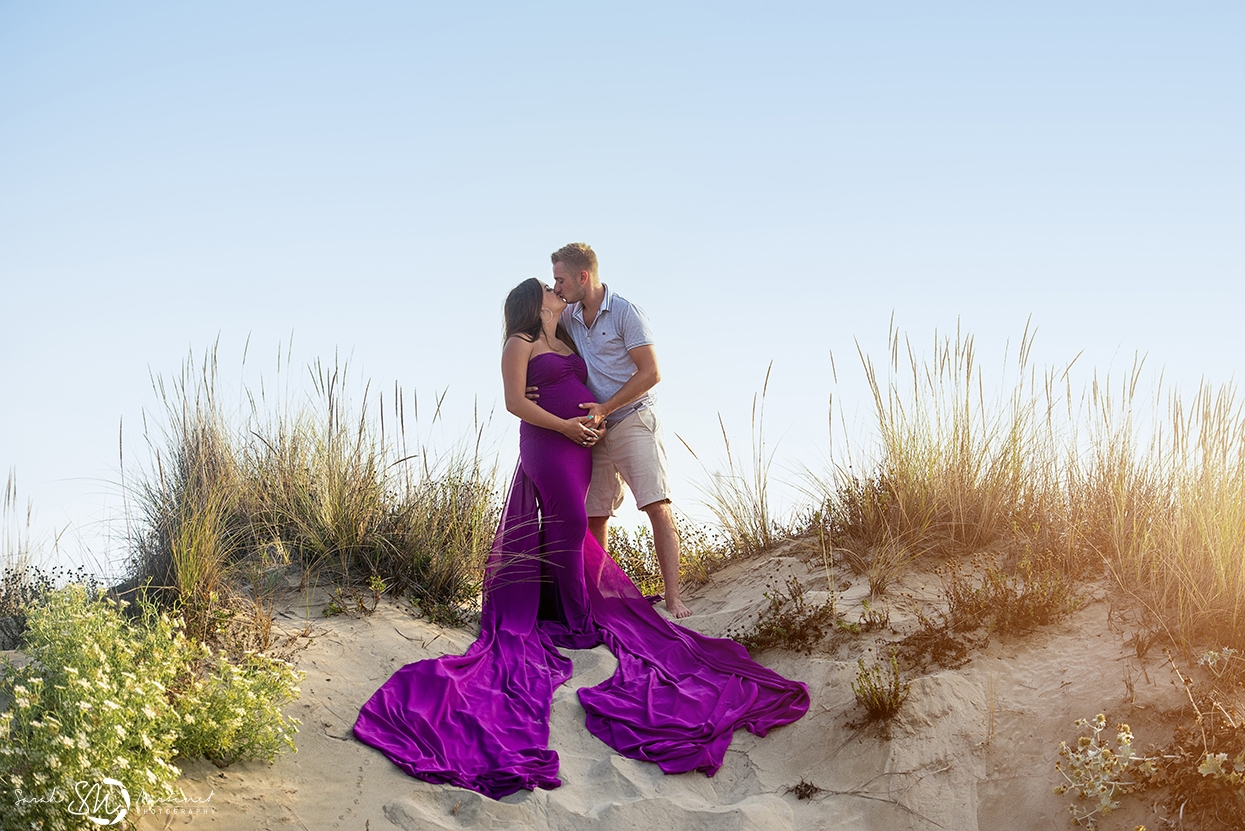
481 720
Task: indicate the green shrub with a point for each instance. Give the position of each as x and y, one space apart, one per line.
22 585
109 697
235 712
702 551
788 620
1035 593
634 552
879 690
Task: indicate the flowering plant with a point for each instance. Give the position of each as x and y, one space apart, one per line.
1097 774
107 698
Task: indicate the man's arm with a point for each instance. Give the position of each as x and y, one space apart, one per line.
645 378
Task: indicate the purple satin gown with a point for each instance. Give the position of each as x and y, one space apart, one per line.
481 720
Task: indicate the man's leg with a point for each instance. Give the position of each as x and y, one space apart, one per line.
666 545
599 526
605 493
640 456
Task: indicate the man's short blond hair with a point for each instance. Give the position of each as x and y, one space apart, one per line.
577 256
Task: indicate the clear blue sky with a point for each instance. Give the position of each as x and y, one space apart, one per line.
769 181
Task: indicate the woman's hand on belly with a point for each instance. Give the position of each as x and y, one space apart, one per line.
582 431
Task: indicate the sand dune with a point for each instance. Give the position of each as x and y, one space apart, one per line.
936 765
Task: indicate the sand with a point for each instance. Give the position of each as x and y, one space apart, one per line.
972 748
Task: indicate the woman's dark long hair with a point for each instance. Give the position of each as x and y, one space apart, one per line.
523 306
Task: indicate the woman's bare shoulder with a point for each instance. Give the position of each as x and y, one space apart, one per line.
518 348
519 341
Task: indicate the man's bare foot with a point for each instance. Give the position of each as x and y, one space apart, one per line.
676 608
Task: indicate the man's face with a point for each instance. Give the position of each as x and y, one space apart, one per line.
569 285
553 302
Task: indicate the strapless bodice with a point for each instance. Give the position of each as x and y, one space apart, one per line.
561 381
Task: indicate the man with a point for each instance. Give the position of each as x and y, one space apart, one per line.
614 339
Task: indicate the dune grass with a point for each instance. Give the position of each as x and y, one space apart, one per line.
957 467
738 496
1170 510
1056 482
232 502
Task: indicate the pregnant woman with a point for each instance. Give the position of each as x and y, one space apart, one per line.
481 720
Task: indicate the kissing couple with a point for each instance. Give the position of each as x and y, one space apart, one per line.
578 368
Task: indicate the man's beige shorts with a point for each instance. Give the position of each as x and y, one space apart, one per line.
632 452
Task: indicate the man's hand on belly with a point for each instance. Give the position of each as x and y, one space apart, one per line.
596 411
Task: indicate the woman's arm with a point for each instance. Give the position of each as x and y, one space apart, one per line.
514 357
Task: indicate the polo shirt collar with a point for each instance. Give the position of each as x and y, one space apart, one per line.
578 312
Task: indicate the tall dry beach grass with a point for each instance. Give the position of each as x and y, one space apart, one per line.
1027 466
1170 505
738 496
957 465
240 500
